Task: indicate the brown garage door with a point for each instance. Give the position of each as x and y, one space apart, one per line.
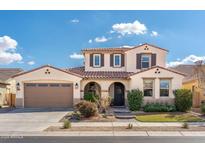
43 95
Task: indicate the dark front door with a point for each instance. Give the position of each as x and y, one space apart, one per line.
119 99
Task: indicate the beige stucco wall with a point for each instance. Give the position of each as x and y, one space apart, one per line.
2 94
104 84
106 66
130 61
39 76
136 82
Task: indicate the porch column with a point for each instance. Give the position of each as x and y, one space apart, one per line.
156 88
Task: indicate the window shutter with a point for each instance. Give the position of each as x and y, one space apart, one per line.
138 61
91 60
102 60
111 60
153 59
122 60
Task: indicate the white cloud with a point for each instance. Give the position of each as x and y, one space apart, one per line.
75 21
8 50
191 59
76 56
127 46
90 41
101 39
154 34
31 62
130 28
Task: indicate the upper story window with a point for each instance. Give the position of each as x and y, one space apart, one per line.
164 88
148 87
117 60
96 60
145 61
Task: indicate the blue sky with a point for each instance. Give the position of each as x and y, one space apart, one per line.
29 39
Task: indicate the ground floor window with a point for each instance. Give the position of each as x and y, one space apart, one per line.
148 88
164 88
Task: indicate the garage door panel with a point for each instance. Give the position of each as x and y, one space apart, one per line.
48 95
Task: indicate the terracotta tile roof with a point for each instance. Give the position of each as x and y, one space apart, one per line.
99 74
6 73
119 49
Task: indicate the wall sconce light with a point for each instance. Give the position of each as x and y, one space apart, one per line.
76 85
18 86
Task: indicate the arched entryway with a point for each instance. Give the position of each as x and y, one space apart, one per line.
93 87
117 93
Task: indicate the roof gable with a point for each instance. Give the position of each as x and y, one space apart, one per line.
155 67
44 66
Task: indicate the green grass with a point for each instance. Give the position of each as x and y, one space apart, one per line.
169 117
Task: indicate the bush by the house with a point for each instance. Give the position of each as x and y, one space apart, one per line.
159 107
135 99
183 99
203 107
87 109
0 106
66 124
89 96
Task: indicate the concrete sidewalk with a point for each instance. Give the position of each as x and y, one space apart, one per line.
135 123
103 133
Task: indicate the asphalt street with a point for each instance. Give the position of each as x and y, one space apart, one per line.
101 139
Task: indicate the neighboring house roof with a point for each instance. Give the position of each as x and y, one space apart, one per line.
99 74
168 69
22 73
189 70
7 73
118 49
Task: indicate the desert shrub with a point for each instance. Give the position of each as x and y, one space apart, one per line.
66 124
129 126
185 125
89 96
76 115
135 99
203 108
183 99
159 107
87 109
105 104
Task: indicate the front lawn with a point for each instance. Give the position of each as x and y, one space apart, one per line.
169 117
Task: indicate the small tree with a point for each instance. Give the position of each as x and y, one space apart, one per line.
183 99
105 104
90 96
135 99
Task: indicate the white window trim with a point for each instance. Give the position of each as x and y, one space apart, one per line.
149 60
163 88
99 60
119 60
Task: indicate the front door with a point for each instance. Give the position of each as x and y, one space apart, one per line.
119 99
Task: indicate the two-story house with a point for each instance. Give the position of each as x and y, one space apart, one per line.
107 72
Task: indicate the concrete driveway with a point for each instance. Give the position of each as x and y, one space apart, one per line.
29 120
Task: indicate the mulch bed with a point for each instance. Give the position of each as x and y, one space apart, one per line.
156 128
